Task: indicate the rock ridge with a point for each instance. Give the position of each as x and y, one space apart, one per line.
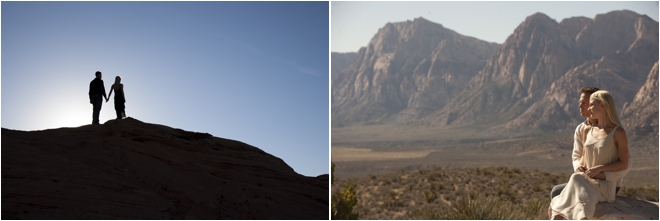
129 169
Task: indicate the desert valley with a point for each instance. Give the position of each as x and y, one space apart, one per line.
421 97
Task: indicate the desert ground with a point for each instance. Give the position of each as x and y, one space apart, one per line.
364 150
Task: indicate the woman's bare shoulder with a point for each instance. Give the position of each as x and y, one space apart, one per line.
620 135
620 130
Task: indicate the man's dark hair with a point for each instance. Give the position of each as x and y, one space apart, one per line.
97 73
588 90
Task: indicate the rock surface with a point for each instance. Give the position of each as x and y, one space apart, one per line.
624 208
628 209
340 61
128 169
641 114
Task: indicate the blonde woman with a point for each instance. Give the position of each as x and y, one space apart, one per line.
118 87
605 151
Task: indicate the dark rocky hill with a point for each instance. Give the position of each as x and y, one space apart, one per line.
129 169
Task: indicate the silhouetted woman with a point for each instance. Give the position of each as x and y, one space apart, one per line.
118 87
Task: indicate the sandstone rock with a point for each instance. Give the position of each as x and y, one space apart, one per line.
128 169
624 208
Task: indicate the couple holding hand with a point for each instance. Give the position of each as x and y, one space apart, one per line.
97 93
601 158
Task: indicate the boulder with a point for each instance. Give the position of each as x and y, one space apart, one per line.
624 208
627 208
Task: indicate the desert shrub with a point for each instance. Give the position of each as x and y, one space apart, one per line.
650 194
482 208
425 213
393 195
343 201
417 197
435 177
535 209
332 173
392 202
488 172
430 196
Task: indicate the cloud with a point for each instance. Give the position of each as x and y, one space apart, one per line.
309 71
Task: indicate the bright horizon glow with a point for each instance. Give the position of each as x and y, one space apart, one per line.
255 72
355 23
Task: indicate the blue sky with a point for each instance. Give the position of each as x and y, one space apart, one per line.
355 23
255 72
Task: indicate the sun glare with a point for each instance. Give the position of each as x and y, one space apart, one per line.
74 114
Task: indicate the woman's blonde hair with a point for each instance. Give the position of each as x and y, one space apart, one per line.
607 100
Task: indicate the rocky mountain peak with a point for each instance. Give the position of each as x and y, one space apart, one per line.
408 70
574 25
531 81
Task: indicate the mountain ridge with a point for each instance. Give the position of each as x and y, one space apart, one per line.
399 69
541 61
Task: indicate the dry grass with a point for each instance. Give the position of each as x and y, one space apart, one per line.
462 193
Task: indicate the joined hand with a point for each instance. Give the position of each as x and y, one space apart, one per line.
592 172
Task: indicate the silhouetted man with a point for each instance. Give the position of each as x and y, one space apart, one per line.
96 89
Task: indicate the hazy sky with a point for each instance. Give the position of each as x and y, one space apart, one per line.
255 72
355 23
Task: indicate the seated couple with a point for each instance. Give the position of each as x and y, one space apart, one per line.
600 159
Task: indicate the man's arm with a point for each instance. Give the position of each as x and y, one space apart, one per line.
577 146
91 85
111 88
103 89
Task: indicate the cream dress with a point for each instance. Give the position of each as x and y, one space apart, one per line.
579 197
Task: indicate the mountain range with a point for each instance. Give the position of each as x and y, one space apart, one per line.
128 169
421 74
